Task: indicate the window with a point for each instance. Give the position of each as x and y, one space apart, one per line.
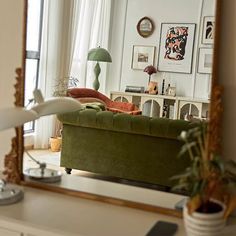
33 45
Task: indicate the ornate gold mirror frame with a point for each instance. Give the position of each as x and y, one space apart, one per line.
14 160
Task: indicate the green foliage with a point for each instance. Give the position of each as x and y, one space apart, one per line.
208 176
63 84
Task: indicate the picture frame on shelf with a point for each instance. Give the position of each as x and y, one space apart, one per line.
176 55
208 30
145 27
171 91
142 56
205 60
153 87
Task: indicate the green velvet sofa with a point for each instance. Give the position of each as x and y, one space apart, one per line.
135 148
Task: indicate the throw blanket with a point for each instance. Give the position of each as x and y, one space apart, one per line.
94 105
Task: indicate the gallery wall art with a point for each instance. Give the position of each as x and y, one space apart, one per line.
176 47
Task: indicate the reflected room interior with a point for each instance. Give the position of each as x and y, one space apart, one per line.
180 47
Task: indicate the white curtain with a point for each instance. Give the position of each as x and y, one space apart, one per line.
43 126
58 42
93 31
70 29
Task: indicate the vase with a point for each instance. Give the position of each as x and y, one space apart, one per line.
204 224
55 144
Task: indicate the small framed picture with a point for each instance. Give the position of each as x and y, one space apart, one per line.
208 30
176 47
145 27
205 60
152 87
171 91
142 56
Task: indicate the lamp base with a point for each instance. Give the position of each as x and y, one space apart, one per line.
97 71
49 175
10 194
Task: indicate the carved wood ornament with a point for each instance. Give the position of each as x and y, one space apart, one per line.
13 160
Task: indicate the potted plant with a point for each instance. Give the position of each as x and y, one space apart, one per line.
61 91
210 184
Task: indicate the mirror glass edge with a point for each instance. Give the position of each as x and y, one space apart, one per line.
19 136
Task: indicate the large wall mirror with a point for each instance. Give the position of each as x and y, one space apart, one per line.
53 49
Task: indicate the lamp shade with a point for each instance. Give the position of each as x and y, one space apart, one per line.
16 116
150 70
56 106
99 54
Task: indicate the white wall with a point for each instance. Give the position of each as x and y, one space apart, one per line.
159 11
11 19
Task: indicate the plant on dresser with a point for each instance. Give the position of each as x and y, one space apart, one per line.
210 183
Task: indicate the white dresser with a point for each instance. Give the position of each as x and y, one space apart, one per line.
165 106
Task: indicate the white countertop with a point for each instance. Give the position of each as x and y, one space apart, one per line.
75 216
70 216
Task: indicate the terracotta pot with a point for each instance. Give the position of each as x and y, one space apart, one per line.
55 144
204 224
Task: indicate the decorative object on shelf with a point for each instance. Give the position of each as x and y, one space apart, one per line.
145 27
163 87
205 60
134 89
210 183
142 56
99 55
165 111
171 91
208 30
176 47
150 70
152 87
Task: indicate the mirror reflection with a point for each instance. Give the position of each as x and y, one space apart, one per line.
92 51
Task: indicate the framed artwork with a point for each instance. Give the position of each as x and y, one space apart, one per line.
152 87
208 30
142 56
145 27
171 91
176 47
205 60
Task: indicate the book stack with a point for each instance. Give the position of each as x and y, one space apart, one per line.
134 89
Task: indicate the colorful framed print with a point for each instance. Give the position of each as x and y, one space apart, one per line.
142 56
208 30
205 60
176 47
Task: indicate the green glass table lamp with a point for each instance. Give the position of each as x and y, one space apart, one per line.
98 54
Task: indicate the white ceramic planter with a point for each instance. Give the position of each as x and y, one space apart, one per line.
203 224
